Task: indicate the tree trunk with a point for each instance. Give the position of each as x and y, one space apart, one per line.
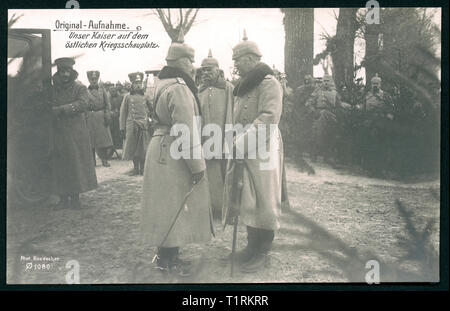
299 44
343 54
371 35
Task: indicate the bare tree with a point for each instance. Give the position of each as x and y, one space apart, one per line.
173 23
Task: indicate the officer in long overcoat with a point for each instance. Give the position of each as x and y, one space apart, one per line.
99 117
134 123
73 168
257 106
216 100
174 165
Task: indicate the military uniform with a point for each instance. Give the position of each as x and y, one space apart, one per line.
116 101
216 100
258 103
98 118
378 114
303 124
168 179
72 164
134 114
322 107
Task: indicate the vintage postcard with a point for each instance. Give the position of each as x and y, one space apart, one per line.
216 146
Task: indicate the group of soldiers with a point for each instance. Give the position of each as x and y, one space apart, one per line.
180 196
317 108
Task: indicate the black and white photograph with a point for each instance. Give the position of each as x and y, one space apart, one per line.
223 145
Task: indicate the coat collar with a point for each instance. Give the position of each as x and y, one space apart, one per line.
252 79
220 84
171 72
58 82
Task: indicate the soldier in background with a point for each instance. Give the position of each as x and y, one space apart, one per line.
73 168
378 113
304 121
116 101
99 118
216 105
134 123
322 106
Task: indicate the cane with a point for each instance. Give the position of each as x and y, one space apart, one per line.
183 203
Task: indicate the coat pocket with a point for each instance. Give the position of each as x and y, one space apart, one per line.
163 150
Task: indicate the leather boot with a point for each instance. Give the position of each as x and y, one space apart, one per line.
245 255
258 262
261 259
105 163
141 167
162 259
177 265
63 202
135 170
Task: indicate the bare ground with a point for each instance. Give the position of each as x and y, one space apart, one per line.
338 222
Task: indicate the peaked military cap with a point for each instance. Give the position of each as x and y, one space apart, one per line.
65 62
93 74
210 61
245 47
136 76
180 49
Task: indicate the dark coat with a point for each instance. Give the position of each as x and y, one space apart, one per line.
98 118
72 163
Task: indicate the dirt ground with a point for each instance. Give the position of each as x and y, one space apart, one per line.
338 221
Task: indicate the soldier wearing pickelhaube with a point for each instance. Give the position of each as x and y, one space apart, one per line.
175 167
98 117
216 100
134 123
322 106
378 114
253 185
73 168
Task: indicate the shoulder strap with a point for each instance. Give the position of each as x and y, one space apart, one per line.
157 95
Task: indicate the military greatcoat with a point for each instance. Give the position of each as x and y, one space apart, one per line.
258 102
73 168
168 178
217 108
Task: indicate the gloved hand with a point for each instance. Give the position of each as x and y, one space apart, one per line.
197 177
123 134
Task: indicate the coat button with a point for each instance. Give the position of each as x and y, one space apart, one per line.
245 106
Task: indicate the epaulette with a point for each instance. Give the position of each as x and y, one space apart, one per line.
181 81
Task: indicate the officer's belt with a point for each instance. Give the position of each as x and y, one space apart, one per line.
161 130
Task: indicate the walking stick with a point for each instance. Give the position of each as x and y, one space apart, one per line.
183 203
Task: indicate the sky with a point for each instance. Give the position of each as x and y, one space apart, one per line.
215 29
